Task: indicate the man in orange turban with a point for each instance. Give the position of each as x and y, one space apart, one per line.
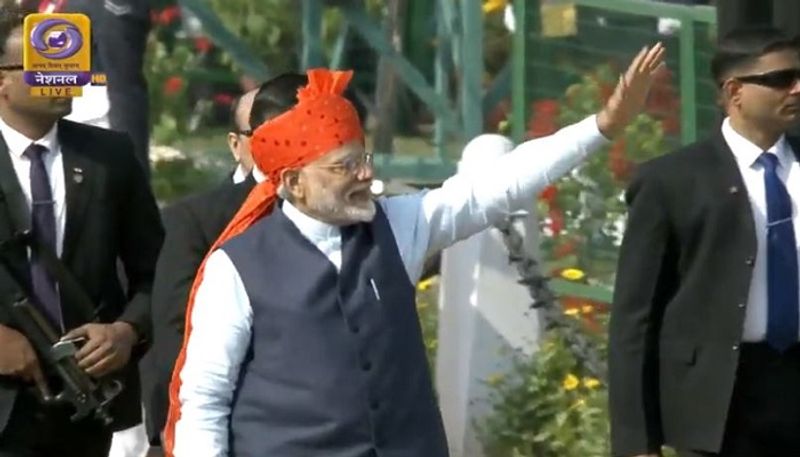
302 337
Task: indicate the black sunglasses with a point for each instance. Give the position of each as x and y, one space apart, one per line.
12 67
779 79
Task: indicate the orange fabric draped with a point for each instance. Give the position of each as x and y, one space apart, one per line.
322 121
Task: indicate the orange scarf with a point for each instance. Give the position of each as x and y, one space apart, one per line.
322 121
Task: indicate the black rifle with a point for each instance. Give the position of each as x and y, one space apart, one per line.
86 395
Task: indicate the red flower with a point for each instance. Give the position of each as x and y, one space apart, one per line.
664 102
564 249
549 194
556 221
586 310
173 85
544 120
620 166
168 15
203 44
223 99
571 302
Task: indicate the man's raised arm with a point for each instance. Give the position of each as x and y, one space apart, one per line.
465 205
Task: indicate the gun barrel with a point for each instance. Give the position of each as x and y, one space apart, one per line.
35 327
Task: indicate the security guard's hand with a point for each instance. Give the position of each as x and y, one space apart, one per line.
17 358
107 348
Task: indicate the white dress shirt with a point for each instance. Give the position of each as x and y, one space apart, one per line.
746 154
54 164
239 175
422 223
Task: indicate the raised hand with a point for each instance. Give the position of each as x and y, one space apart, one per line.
630 95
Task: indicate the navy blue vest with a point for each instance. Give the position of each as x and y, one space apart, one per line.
333 369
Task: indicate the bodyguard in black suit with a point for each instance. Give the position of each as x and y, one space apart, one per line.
192 225
81 192
703 350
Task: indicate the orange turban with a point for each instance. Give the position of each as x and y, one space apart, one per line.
322 121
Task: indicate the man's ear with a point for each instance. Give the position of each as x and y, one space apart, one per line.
233 145
5 80
731 92
291 181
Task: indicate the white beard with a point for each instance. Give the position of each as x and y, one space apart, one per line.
341 213
360 213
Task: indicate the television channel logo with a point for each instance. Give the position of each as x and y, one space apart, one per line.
57 55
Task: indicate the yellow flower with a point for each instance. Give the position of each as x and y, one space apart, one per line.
586 309
490 6
571 382
591 383
572 274
494 379
425 285
572 312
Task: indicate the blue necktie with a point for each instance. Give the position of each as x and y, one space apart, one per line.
782 272
44 229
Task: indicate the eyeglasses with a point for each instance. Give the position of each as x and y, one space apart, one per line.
247 133
12 67
779 79
349 166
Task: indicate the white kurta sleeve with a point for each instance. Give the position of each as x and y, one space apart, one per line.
221 322
465 204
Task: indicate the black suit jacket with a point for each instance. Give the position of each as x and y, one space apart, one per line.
680 298
111 216
192 225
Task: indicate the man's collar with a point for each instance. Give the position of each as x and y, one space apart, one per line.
259 175
748 153
240 175
17 142
311 228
